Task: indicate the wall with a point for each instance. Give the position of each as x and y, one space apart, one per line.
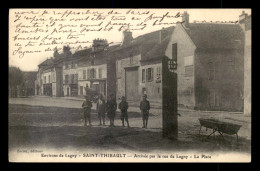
68 71
247 73
120 74
224 91
59 81
154 87
185 48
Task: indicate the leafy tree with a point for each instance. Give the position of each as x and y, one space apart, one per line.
15 79
66 51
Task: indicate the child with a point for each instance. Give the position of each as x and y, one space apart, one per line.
101 109
123 106
87 110
145 107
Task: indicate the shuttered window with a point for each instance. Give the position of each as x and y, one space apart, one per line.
84 74
149 74
88 74
143 75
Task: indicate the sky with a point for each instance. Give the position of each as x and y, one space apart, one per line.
30 62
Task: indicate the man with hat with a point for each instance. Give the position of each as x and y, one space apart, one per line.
101 109
111 109
145 107
87 110
123 106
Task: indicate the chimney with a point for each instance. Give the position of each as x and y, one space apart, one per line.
185 19
242 17
162 34
99 45
127 37
242 20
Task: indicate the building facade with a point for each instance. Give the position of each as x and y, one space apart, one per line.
210 66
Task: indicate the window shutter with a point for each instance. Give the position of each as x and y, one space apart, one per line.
146 71
88 73
151 74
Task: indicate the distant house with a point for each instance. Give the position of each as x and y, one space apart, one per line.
93 67
210 65
49 80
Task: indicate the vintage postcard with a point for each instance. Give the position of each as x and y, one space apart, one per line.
129 85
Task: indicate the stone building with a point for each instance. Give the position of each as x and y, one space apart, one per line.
138 65
93 68
210 65
245 23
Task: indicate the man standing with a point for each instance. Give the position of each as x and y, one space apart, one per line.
145 107
111 109
101 109
87 110
123 106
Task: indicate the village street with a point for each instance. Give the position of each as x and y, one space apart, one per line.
58 123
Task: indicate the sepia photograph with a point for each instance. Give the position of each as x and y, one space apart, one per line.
129 85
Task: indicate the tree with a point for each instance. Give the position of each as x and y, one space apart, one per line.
15 79
66 51
56 53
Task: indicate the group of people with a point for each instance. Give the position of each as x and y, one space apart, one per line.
110 108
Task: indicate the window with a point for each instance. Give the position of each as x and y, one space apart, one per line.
49 78
131 59
188 71
72 78
188 66
72 65
84 74
76 78
174 51
118 68
143 75
66 66
44 79
158 73
66 79
100 72
88 74
149 74
53 78
93 73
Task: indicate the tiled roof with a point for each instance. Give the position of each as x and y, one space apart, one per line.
146 41
216 36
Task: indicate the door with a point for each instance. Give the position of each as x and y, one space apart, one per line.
81 90
131 84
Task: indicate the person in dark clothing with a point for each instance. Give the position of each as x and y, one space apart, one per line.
111 109
123 106
87 110
101 109
145 107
